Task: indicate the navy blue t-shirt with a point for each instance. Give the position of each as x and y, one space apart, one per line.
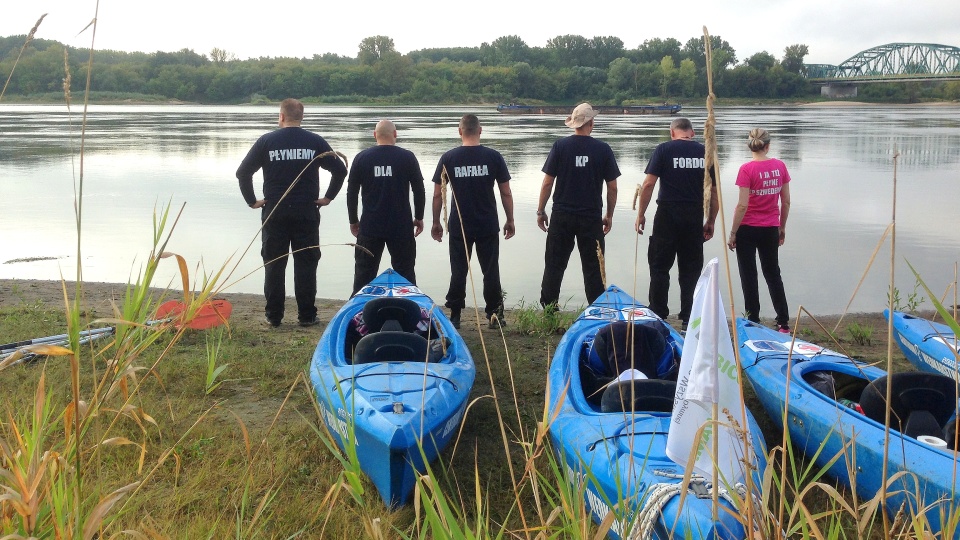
473 171
679 165
283 154
383 176
580 164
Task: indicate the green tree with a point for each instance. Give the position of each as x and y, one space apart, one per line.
569 50
604 49
653 50
507 50
793 58
220 56
622 75
687 77
374 48
668 74
761 61
694 50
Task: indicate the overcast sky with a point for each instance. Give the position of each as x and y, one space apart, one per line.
834 30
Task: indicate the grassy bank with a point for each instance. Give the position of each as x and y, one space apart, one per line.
247 458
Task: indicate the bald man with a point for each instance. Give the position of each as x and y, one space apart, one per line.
383 177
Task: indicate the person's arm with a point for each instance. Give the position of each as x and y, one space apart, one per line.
338 172
506 199
545 190
784 211
742 203
419 199
353 198
437 230
646 195
248 167
712 216
611 205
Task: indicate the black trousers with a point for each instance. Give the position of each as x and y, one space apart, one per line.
488 254
403 255
564 230
280 235
677 236
764 241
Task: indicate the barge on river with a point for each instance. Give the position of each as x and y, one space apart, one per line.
665 109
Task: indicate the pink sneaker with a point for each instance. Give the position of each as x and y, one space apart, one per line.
783 329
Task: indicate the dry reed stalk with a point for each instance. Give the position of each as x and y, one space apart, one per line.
603 264
444 182
26 42
66 77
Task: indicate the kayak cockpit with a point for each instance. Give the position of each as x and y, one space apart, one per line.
392 329
922 404
629 367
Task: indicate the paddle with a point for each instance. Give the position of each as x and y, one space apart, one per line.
211 314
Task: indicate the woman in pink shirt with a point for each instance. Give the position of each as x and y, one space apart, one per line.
759 227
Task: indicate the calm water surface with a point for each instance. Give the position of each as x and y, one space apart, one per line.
138 158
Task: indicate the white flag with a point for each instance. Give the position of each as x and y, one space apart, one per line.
708 375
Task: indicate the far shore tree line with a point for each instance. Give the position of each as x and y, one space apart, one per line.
566 69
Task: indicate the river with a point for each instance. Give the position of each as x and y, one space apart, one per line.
140 158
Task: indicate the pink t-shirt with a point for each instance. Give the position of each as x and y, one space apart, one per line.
765 179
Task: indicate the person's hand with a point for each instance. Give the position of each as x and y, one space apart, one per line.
783 235
355 229
258 204
707 231
322 202
417 227
607 224
437 232
509 229
543 221
732 242
641 221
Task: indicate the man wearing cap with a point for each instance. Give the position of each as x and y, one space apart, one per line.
679 230
383 177
579 165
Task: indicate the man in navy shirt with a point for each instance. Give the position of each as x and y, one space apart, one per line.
580 166
472 170
383 177
290 208
679 230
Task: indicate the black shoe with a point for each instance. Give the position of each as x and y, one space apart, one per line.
310 322
455 318
683 328
271 322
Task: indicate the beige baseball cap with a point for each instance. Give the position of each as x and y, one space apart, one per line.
582 114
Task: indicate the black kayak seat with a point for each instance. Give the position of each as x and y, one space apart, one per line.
621 345
391 314
391 347
920 403
639 395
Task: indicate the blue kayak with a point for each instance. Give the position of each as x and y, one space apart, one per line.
399 375
619 455
928 345
837 405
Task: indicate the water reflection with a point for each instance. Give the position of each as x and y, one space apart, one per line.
141 157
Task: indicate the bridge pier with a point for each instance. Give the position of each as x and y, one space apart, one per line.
838 90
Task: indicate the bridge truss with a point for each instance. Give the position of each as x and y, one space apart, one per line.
894 61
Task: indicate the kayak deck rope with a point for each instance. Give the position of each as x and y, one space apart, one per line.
660 494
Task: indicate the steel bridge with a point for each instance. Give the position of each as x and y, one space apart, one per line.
893 62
